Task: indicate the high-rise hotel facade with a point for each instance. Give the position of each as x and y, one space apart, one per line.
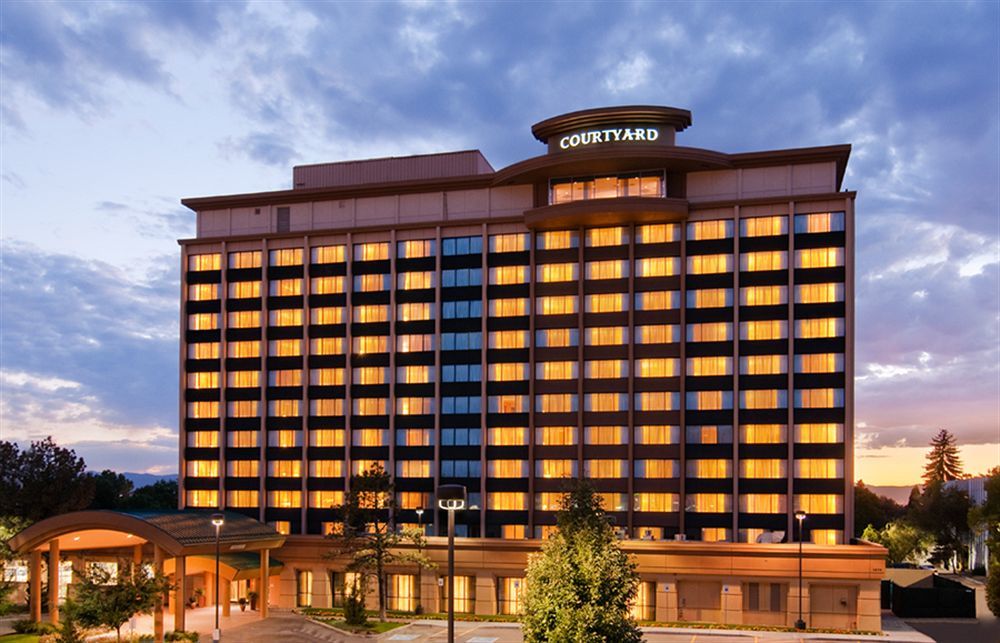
673 324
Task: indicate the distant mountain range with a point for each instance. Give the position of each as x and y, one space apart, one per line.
899 494
146 479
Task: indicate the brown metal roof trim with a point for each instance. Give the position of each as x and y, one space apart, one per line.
679 119
282 197
598 212
611 158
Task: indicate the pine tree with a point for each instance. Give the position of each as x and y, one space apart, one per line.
580 586
943 463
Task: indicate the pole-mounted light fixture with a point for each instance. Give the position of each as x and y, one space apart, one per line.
451 498
800 516
218 520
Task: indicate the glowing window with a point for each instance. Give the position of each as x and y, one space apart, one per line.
326 377
710 264
555 435
414 374
414 311
371 313
820 222
819 468
819 328
763 503
506 275
283 408
556 272
771 468
415 280
371 251
413 468
556 305
243 379
203 468
703 230
514 242
202 498
208 261
555 370
557 338
513 307
370 406
326 438
244 289
763 295
709 400
557 239
284 468
657 434
657 334
243 409
284 347
555 403
285 317
764 226
203 292
507 436
657 401
819 433
329 254
371 283
242 498
508 468
709 434
605 402
764 330
203 350
415 248
605 368
508 339
605 435
245 319
763 261
364 345
508 404
548 501
606 336
242 468
284 438
325 499
203 439
763 364
657 233
819 503
819 363
326 285
709 503
285 287
656 469
762 433
657 300
709 366
764 399
326 468
245 259
284 499
710 332
657 266
203 321
286 257
242 439
609 269
597 237
819 258
655 502
506 501
819 398
605 468
606 303
819 293
713 469
203 380
415 405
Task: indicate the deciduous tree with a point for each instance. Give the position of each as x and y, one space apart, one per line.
42 481
580 586
904 542
369 537
873 509
109 599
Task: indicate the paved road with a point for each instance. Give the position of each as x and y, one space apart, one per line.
984 629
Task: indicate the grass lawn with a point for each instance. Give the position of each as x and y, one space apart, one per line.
19 638
372 627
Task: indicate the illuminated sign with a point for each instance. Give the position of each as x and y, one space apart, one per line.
611 135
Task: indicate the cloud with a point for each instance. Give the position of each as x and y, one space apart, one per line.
89 351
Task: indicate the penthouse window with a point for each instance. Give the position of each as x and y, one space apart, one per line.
514 242
657 233
820 222
329 254
415 248
204 262
643 184
286 257
705 230
371 251
764 226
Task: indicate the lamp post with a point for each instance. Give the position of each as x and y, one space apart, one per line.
420 520
217 520
451 498
800 516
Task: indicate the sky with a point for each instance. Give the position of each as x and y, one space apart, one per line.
110 113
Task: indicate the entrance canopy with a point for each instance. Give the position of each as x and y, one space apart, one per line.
177 533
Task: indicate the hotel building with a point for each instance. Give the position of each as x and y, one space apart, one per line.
674 324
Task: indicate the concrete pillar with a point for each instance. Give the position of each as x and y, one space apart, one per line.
137 559
35 579
486 594
158 607
264 582
225 588
181 593
429 592
54 581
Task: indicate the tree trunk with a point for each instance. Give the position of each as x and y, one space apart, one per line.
381 594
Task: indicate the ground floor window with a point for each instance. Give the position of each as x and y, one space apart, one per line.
465 594
342 585
402 592
644 605
764 597
304 583
510 594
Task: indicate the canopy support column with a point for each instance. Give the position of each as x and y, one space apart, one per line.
158 608
180 594
264 582
35 580
54 581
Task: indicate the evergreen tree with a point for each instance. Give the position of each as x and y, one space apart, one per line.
368 535
943 463
580 586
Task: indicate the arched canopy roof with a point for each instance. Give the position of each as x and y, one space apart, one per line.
178 533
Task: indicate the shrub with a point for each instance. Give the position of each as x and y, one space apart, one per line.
28 626
993 588
181 635
354 609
